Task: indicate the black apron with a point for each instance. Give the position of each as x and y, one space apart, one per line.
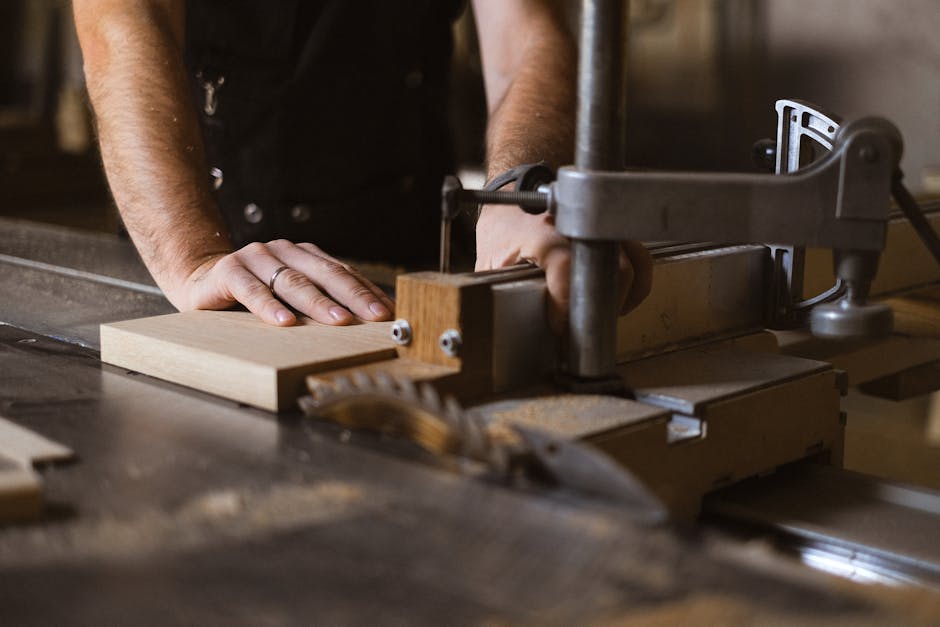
326 120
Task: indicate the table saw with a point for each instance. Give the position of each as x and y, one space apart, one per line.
185 507
679 465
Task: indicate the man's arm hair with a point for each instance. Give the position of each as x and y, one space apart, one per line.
529 65
149 134
529 62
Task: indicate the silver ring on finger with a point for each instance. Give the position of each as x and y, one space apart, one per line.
274 278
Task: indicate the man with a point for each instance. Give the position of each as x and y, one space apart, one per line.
320 121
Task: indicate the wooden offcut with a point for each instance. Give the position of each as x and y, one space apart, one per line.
237 356
20 486
20 492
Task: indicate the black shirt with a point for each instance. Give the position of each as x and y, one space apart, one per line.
326 120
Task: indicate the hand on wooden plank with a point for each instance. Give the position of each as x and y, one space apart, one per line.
304 277
507 236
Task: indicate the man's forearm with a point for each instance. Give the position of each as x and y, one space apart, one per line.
149 134
530 88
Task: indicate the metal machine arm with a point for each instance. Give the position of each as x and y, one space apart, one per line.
839 202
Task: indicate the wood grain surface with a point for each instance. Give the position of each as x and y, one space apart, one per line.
235 355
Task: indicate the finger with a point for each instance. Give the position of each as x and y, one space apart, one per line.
299 291
334 278
292 286
642 262
557 265
246 288
379 293
625 276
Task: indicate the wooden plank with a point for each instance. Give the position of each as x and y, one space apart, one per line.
20 487
688 380
20 492
906 384
917 313
235 355
890 439
28 448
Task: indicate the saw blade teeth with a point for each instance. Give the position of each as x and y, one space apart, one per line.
475 431
407 389
430 398
362 381
307 403
342 384
453 411
385 383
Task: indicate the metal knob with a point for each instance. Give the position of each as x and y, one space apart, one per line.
845 320
852 317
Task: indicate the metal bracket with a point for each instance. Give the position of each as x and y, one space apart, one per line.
797 120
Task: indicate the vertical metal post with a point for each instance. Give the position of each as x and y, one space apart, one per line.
599 146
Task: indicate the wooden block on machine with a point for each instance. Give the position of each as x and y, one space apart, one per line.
739 414
708 417
575 416
905 263
891 439
235 355
696 296
499 317
906 384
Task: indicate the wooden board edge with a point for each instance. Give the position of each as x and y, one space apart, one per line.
256 385
21 495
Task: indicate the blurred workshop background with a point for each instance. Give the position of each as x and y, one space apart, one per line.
704 75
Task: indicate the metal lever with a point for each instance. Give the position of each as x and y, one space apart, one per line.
797 121
454 198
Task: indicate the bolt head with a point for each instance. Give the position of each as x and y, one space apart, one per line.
401 332
450 342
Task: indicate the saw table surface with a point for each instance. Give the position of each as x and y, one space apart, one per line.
186 509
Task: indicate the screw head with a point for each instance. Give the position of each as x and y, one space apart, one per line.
216 178
401 332
450 342
300 213
253 213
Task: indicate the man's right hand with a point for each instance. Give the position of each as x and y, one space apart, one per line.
313 283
